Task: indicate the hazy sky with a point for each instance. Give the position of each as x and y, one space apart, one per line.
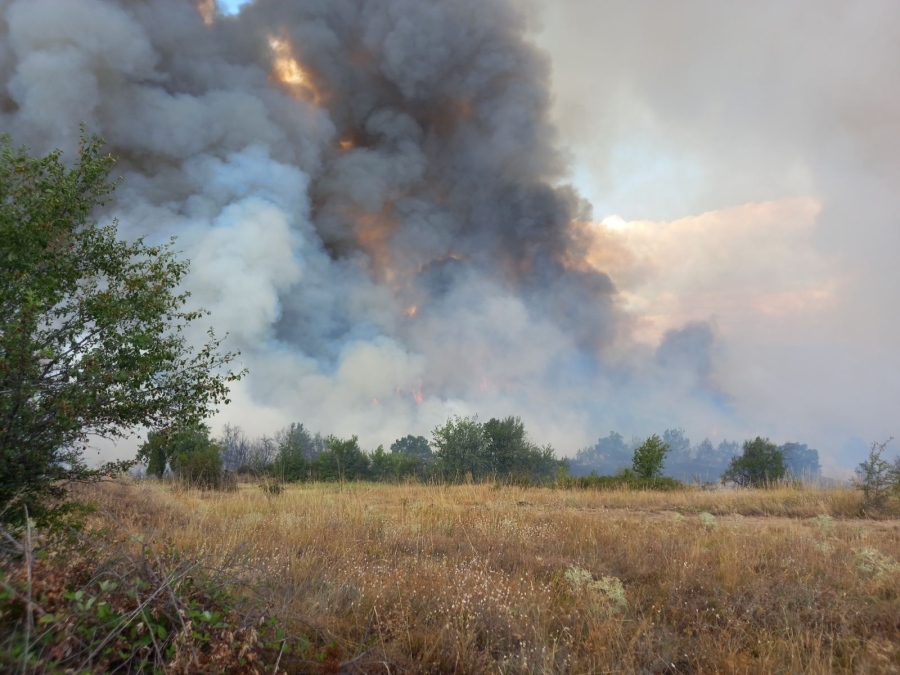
748 155
388 242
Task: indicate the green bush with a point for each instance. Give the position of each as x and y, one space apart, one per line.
877 479
760 465
92 328
649 457
93 608
624 480
343 460
203 470
193 457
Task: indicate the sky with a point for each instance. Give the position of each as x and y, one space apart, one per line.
747 154
724 264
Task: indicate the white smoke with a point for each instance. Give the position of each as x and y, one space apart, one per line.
388 246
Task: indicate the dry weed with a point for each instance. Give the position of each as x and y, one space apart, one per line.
480 578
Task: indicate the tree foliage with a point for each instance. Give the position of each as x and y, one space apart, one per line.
679 444
801 461
91 327
297 448
343 460
507 445
608 455
499 448
511 453
412 446
684 461
172 448
203 469
460 447
760 465
649 458
877 478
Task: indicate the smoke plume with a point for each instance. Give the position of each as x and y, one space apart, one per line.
374 203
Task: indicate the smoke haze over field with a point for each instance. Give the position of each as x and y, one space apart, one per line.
374 197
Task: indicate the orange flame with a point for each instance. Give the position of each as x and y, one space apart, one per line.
347 144
287 70
417 395
411 311
207 9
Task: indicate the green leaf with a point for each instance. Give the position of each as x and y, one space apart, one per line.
103 314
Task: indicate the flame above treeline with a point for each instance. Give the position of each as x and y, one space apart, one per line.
370 194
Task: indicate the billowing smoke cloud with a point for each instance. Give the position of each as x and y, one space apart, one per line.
374 201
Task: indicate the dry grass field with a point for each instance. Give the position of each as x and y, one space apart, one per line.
500 579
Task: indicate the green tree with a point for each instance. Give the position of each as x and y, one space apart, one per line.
800 460
383 466
607 455
649 458
508 445
877 478
343 460
91 328
193 456
461 446
203 469
412 446
760 464
297 448
679 444
171 448
540 463
510 453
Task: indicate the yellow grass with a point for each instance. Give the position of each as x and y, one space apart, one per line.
479 578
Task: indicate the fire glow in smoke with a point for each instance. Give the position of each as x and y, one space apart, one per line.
375 209
288 71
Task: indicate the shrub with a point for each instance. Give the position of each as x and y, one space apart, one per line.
194 458
649 458
202 470
877 478
624 480
461 448
94 608
91 328
343 460
760 465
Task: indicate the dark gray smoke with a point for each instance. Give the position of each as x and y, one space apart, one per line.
384 234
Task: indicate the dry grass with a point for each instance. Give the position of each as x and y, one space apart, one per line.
486 579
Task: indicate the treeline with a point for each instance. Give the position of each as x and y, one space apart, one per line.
703 462
461 449
464 449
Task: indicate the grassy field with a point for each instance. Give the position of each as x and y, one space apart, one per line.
482 578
